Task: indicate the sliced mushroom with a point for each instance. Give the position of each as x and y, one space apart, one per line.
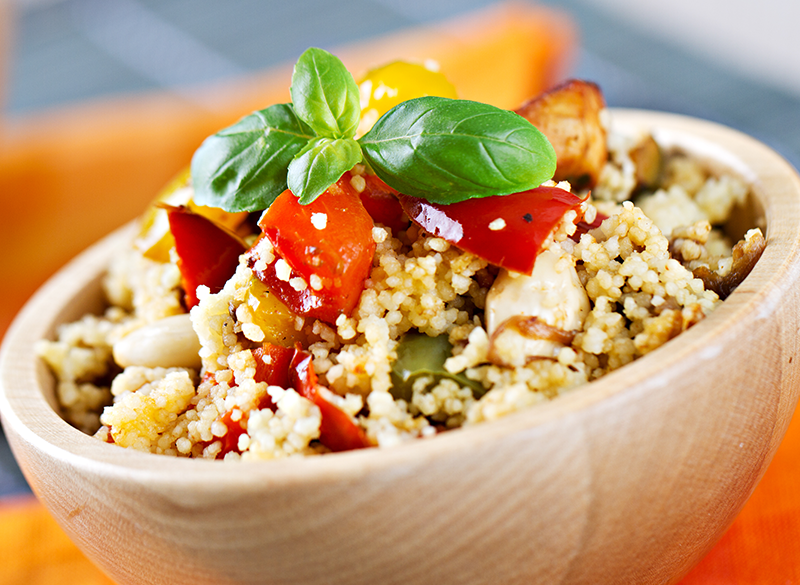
745 255
649 163
521 339
569 115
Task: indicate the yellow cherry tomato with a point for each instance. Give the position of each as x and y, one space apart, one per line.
383 88
154 240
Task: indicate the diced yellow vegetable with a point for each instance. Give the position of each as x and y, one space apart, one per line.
384 87
155 240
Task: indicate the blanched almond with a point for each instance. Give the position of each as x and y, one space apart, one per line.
169 342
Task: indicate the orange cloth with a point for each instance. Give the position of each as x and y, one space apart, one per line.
35 551
68 177
762 547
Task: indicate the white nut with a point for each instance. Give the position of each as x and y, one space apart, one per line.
167 343
553 293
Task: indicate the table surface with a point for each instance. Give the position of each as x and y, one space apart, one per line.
68 52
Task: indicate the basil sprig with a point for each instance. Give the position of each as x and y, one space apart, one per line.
325 95
448 150
244 167
440 149
320 164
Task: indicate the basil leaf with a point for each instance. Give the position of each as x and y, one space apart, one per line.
320 164
448 150
244 167
325 95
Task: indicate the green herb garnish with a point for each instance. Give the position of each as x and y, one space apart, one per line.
325 95
311 171
244 167
449 150
441 149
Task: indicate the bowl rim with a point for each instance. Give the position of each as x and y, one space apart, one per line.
29 415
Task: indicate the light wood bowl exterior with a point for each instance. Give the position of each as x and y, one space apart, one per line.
630 479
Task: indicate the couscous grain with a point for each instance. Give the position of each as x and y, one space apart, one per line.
439 337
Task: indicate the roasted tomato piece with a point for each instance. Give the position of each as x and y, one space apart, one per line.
507 231
569 115
208 254
155 240
584 227
230 442
316 257
381 202
272 367
338 432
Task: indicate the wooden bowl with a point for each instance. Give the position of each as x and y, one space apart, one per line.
630 479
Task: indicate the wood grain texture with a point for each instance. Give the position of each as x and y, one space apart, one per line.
631 479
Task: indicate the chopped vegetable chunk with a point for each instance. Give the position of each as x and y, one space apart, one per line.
316 272
208 254
507 231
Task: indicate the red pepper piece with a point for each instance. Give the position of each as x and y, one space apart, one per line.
507 231
230 442
292 368
381 202
274 370
272 364
208 254
328 243
338 432
585 227
272 367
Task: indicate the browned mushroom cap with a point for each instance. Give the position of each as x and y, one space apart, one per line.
569 115
530 328
745 255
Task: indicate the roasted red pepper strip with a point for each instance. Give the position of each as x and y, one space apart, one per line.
381 202
585 227
292 368
338 432
272 364
507 231
327 243
230 442
272 367
208 254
